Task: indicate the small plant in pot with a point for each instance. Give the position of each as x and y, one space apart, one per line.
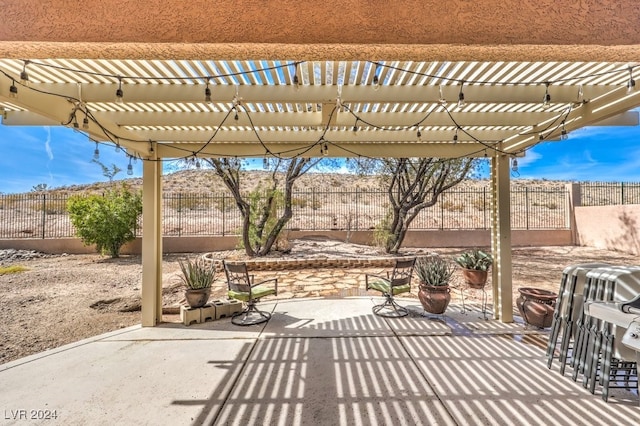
475 265
434 274
198 276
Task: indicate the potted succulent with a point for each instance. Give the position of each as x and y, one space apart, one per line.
198 276
434 274
475 265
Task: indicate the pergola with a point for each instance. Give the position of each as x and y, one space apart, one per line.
163 80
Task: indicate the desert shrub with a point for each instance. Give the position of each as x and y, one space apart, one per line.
108 221
300 202
479 204
181 202
452 207
382 231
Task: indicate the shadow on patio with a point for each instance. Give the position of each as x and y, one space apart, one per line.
318 361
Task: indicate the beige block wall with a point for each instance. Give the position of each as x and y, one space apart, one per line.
609 227
416 239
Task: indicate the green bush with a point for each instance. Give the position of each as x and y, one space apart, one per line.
108 221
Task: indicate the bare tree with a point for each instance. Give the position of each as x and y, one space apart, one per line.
413 184
264 214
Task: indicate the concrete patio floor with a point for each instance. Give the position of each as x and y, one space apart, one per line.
316 362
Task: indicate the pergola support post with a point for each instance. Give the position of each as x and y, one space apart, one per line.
151 242
501 239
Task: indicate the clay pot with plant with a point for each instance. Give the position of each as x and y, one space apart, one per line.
198 276
475 266
434 274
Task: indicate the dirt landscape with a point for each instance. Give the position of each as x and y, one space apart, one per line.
60 299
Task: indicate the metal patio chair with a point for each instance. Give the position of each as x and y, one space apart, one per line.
241 287
395 282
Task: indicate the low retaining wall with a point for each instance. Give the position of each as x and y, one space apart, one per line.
288 264
414 239
609 227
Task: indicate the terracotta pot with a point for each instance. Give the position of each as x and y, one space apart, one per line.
475 278
536 306
197 298
434 299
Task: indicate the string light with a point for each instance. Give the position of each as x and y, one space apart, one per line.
546 101
563 133
85 122
355 127
296 80
442 100
119 93
236 117
197 162
129 167
419 134
207 92
24 76
265 163
461 101
96 152
514 165
326 149
376 79
76 126
13 90
455 135
631 84
580 98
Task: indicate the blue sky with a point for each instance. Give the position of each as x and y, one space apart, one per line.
58 156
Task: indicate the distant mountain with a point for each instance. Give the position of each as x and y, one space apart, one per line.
198 181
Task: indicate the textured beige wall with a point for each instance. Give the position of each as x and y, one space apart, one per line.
489 30
609 227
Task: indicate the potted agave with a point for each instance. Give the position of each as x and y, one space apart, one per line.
475 265
434 274
198 276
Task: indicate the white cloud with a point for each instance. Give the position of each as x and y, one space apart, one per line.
47 143
529 158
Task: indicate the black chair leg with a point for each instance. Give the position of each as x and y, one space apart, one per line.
250 315
390 308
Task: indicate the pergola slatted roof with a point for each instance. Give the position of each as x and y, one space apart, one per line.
354 106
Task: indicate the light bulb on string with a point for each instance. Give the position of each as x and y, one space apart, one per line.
419 134
326 149
355 127
119 92
514 165
24 76
96 152
376 79
455 135
13 90
564 135
130 168
631 84
461 102
442 100
207 93
85 123
265 163
197 160
546 100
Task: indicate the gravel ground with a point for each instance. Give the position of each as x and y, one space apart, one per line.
61 299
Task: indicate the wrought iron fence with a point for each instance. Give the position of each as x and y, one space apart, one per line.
40 215
609 193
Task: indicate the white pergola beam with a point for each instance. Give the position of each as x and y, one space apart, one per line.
310 136
301 119
606 107
339 150
174 93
